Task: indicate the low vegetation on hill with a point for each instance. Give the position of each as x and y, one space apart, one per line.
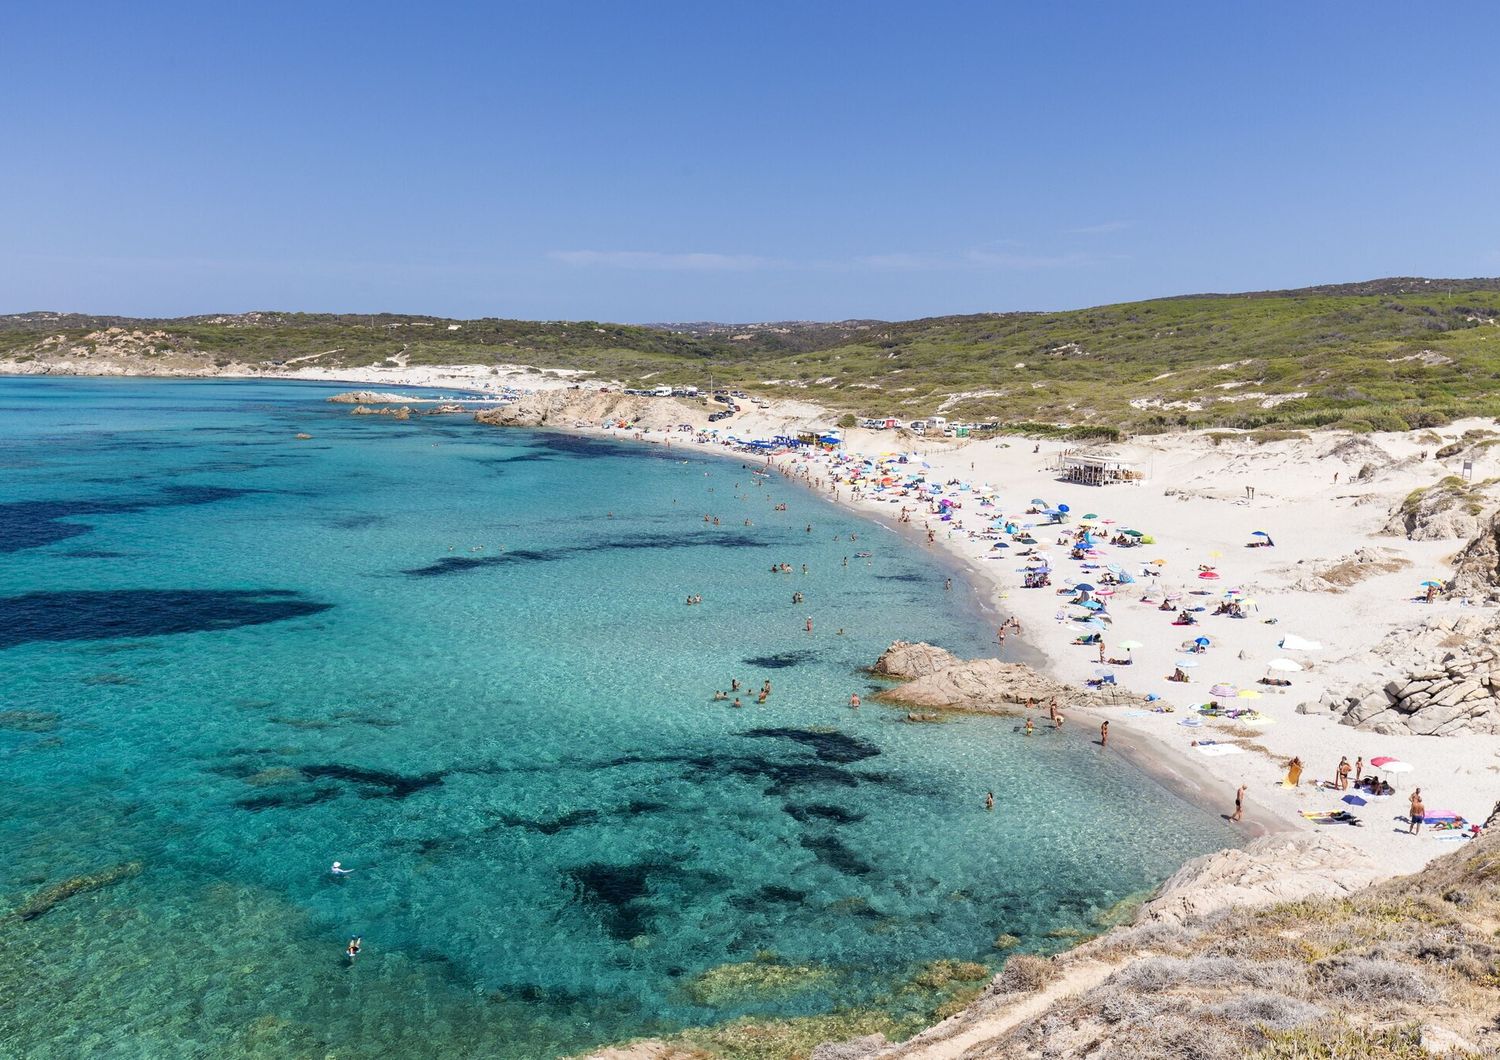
1382 355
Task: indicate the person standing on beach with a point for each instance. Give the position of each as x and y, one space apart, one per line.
1104 734
1415 816
1343 774
1239 804
1359 770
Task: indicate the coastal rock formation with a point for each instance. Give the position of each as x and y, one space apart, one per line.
1476 570
1448 683
1449 508
940 679
1335 969
568 408
906 660
1273 868
368 397
402 413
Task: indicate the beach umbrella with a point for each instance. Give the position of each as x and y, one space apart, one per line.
1064 508
1441 815
1084 587
1209 575
1221 689
1130 645
1132 533
1158 562
1354 800
1092 515
1259 533
1203 641
1247 693
1038 500
1430 584
1391 765
1187 664
1289 665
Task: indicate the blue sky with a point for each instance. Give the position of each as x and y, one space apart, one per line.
673 161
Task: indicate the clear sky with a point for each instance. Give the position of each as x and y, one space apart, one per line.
735 161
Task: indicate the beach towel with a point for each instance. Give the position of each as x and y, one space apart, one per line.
1216 750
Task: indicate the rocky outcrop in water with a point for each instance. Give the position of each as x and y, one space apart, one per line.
367 397
44 901
905 660
937 678
1448 681
402 413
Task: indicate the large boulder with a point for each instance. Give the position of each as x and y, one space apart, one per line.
939 679
905 659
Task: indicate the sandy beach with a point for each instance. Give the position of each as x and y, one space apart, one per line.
1196 507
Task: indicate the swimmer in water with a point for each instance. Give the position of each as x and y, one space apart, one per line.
352 950
989 800
736 702
339 870
854 700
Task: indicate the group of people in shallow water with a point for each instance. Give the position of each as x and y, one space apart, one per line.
720 696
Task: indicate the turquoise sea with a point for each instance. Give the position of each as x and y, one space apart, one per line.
457 659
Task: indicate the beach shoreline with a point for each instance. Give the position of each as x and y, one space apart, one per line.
1192 781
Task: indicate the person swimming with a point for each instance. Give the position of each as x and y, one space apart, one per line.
339 870
352 950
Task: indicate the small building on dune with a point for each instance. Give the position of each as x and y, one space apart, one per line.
1101 465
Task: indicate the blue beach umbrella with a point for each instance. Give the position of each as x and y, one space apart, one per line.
1084 587
1064 508
1259 533
1203 641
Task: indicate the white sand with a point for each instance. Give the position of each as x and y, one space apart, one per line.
1209 520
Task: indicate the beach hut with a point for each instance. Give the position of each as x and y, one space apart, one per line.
1100 465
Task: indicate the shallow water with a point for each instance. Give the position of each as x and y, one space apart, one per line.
457 659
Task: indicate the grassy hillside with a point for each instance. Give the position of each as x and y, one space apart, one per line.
1382 354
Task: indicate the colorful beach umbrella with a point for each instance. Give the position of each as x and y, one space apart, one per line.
1221 689
1430 584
